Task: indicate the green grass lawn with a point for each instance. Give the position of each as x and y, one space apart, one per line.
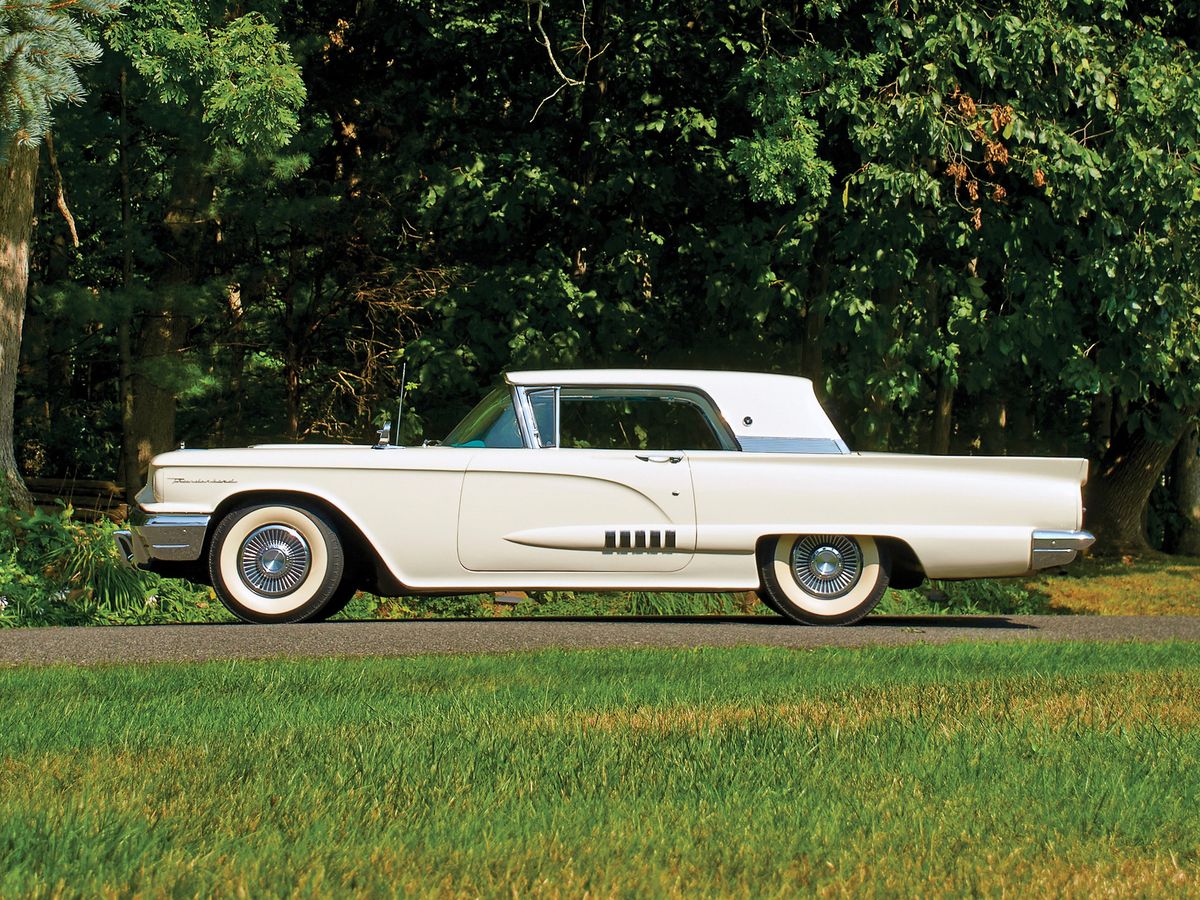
1152 585
1001 768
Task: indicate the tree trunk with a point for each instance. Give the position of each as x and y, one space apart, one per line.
35 377
812 364
130 471
1119 491
991 434
943 407
587 151
292 381
1019 425
153 420
937 440
812 351
232 426
163 330
1185 492
592 97
291 364
1100 423
18 178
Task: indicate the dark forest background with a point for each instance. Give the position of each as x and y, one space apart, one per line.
973 225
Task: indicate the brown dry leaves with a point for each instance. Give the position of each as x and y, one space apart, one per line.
975 118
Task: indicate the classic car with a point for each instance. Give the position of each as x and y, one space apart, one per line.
601 479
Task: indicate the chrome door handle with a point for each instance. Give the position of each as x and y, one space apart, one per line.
659 459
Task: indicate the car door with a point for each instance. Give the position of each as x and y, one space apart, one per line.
577 510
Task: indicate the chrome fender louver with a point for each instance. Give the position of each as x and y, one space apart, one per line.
639 539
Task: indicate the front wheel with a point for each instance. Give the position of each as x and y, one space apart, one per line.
276 563
824 579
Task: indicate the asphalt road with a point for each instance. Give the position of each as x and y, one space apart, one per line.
157 643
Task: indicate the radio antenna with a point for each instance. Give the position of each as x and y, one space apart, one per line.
400 405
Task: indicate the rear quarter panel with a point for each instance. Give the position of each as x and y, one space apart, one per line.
964 517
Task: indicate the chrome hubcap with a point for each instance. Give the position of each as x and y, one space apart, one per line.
827 565
274 560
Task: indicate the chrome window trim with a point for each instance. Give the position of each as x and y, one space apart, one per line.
537 433
797 445
708 408
530 436
524 418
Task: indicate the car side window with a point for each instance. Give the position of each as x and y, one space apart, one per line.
632 419
492 423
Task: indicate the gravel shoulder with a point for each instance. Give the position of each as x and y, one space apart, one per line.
196 643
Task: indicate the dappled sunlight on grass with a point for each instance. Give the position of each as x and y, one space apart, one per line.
1151 586
1107 701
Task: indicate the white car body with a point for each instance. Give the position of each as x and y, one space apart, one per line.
440 519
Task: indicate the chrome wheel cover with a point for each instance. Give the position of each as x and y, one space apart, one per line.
274 560
827 565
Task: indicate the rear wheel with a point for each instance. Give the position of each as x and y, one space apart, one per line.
276 563
823 579
340 600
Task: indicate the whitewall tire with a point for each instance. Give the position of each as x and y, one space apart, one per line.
276 563
823 579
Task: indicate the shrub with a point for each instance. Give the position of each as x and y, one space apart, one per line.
55 570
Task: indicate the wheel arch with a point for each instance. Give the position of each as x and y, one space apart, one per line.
906 569
375 575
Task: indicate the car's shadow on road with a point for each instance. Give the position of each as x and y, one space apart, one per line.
905 622
944 622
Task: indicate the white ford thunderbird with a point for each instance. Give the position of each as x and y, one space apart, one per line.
604 480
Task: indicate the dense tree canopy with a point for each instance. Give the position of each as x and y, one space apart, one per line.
43 45
973 227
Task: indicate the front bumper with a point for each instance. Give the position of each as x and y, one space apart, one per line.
161 536
1057 548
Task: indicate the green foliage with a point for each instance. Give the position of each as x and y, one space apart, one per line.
804 198
237 70
633 603
943 212
43 44
781 161
985 596
1018 199
55 570
91 569
556 604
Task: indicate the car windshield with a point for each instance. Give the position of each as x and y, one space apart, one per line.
492 423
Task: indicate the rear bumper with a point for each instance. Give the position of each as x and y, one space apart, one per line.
165 537
1057 548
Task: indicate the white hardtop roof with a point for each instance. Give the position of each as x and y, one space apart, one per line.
776 405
